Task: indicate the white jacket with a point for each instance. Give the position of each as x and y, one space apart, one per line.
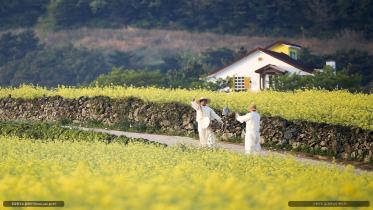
252 120
205 112
252 136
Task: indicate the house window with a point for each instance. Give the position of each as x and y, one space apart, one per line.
239 83
242 83
293 54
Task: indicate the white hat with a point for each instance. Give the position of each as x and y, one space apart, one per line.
203 98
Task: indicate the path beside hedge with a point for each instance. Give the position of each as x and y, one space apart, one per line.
175 140
345 142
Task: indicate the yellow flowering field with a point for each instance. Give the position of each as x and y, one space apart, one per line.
94 175
336 107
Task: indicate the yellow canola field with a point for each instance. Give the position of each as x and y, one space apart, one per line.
94 175
335 107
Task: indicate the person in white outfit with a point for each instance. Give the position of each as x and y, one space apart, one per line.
252 119
204 117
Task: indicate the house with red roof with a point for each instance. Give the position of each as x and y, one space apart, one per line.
256 70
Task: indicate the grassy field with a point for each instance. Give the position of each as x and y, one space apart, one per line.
336 107
95 175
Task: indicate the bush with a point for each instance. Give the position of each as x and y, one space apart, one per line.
51 132
137 78
326 79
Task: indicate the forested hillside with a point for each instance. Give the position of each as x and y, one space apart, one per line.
25 59
322 18
175 43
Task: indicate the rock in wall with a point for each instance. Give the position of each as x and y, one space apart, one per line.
336 140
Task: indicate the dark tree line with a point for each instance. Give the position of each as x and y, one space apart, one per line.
183 70
352 62
20 13
322 18
24 60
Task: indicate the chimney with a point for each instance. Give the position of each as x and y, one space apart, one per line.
330 63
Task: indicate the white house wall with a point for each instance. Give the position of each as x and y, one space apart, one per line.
246 67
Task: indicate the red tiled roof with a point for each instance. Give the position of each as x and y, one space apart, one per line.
280 56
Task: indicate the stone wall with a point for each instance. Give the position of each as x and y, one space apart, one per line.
320 138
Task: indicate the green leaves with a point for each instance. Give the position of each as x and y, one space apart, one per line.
326 79
23 59
53 132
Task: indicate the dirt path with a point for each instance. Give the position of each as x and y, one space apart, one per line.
175 140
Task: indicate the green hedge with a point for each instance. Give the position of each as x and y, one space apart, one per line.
51 132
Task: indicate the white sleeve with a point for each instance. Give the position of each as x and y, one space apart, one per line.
215 116
244 118
195 105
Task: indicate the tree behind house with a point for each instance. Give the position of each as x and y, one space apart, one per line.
326 79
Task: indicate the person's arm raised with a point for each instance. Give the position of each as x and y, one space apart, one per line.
195 105
243 118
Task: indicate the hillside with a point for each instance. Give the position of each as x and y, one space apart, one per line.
78 42
291 18
134 39
154 29
79 56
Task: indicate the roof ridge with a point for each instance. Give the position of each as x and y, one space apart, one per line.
289 60
282 42
274 54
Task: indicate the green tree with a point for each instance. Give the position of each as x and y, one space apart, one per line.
127 60
213 59
67 13
355 62
321 18
16 46
311 60
21 13
53 67
328 79
128 77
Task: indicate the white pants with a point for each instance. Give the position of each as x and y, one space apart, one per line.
206 137
252 145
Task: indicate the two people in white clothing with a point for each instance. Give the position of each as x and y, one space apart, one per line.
207 137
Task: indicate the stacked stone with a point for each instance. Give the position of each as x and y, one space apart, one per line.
336 140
